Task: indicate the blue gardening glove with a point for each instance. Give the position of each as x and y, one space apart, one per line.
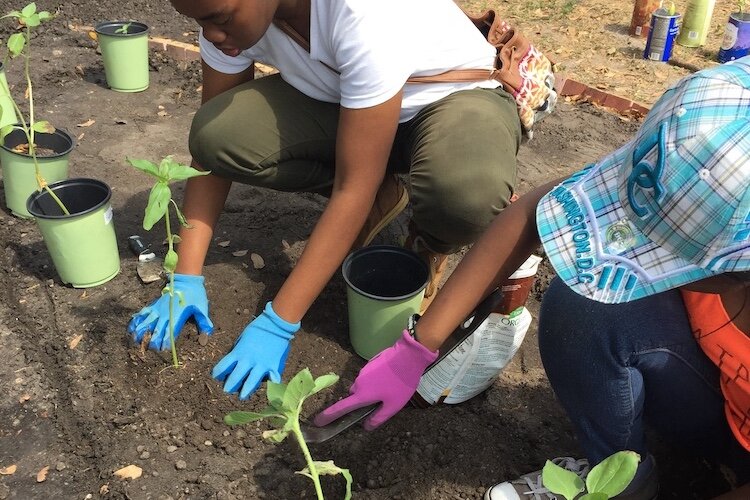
191 300
260 352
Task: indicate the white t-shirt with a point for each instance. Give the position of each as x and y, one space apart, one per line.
375 45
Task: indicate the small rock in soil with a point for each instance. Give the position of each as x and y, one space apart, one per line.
180 465
60 466
171 449
145 455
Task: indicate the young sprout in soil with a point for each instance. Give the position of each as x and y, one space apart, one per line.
285 404
159 201
607 479
19 45
123 29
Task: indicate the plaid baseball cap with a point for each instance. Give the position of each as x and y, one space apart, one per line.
670 207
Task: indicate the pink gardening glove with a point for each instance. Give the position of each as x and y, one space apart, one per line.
390 378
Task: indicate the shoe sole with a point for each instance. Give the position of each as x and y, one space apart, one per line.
389 216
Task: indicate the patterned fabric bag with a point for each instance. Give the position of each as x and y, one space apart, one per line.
523 70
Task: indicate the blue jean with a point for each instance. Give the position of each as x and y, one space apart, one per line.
616 367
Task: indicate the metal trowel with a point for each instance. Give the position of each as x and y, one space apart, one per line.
149 267
315 434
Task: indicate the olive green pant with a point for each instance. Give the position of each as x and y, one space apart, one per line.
459 152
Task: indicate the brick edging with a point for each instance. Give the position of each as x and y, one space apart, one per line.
566 87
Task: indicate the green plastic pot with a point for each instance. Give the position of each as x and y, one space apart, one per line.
125 55
8 116
385 286
83 245
19 174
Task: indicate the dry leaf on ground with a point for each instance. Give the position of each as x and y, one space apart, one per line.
9 470
224 244
240 253
74 341
129 472
87 123
258 262
41 476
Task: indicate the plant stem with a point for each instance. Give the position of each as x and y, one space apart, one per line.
308 458
175 361
29 129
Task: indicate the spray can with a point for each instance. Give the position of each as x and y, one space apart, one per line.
472 366
665 24
641 20
696 23
736 42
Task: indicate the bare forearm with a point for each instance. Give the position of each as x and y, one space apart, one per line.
204 200
327 247
506 244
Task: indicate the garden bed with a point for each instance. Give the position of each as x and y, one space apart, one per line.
81 399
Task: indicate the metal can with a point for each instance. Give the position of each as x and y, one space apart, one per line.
641 19
661 35
736 41
696 23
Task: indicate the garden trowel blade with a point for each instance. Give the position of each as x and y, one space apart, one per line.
150 270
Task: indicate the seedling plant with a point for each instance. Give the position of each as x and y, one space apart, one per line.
123 29
159 201
607 479
285 405
19 45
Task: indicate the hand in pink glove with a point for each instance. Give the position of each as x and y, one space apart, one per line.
391 378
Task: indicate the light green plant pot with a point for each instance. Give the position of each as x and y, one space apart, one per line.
8 116
125 55
385 286
19 174
83 245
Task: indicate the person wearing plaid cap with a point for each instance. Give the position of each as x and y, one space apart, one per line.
648 321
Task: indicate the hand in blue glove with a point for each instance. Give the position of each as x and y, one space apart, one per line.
190 300
260 352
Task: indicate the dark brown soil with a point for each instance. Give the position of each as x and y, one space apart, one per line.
88 409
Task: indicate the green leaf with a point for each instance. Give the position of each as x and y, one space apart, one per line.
245 417
179 172
170 261
613 474
5 131
297 390
594 496
182 219
275 435
16 43
32 21
45 16
158 202
561 481
43 127
324 381
12 13
164 167
328 468
275 393
29 10
145 166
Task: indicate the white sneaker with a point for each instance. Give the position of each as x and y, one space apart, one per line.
529 486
